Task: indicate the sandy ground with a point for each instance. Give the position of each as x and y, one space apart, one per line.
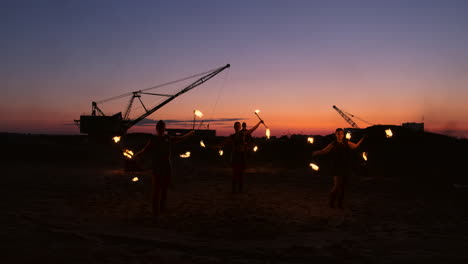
81 212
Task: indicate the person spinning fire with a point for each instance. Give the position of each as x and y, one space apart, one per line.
160 146
240 148
341 165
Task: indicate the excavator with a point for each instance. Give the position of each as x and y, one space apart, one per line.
98 124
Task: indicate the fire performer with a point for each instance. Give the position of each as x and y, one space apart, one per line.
161 145
238 154
340 150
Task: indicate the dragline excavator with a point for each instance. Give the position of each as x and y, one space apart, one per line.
99 124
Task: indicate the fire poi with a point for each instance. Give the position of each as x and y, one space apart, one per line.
310 140
255 149
348 135
267 131
185 155
128 154
221 152
202 144
364 156
116 139
389 133
314 166
135 179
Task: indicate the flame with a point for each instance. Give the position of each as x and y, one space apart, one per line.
198 113
310 140
255 149
116 139
221 152
135 179
364 156
185 155
257 111
267 133
348 135
389 133
202 144
314 166
128 153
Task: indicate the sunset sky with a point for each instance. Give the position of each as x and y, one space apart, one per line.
387 62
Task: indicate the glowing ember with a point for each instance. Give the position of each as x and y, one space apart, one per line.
389 133
221 152
364 156
314 166
185 155
310 140
267 133
255 149
348 136
135 179
198 113
116 139
202 144
257 111
128 154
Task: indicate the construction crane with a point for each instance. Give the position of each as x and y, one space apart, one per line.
348 119
102 125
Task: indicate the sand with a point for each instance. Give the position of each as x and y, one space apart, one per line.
65 209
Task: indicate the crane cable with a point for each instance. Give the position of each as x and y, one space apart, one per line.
223 84
154 87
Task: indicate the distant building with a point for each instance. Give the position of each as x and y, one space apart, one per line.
417 127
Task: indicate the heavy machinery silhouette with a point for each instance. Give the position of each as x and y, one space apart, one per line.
101 125
348 119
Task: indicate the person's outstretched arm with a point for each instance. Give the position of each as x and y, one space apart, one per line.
148 146
355 145
323 151
255 127
177 139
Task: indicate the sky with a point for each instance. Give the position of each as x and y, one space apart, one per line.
386 62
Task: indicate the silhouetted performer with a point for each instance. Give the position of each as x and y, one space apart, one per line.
248 139
160 146
341 162
238 154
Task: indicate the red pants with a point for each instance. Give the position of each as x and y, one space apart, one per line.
160 187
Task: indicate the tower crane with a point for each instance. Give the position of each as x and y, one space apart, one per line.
102 125
348 119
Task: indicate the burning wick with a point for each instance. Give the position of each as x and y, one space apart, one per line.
314 166
348 136
202 144
310 140
128 154
185 155
221 152
135 179
389 133
116 139
257 111
255 149
196 113
364 156
267 133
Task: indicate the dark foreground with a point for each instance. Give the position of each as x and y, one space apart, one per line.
62 207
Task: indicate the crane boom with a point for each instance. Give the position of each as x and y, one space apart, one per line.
347 118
